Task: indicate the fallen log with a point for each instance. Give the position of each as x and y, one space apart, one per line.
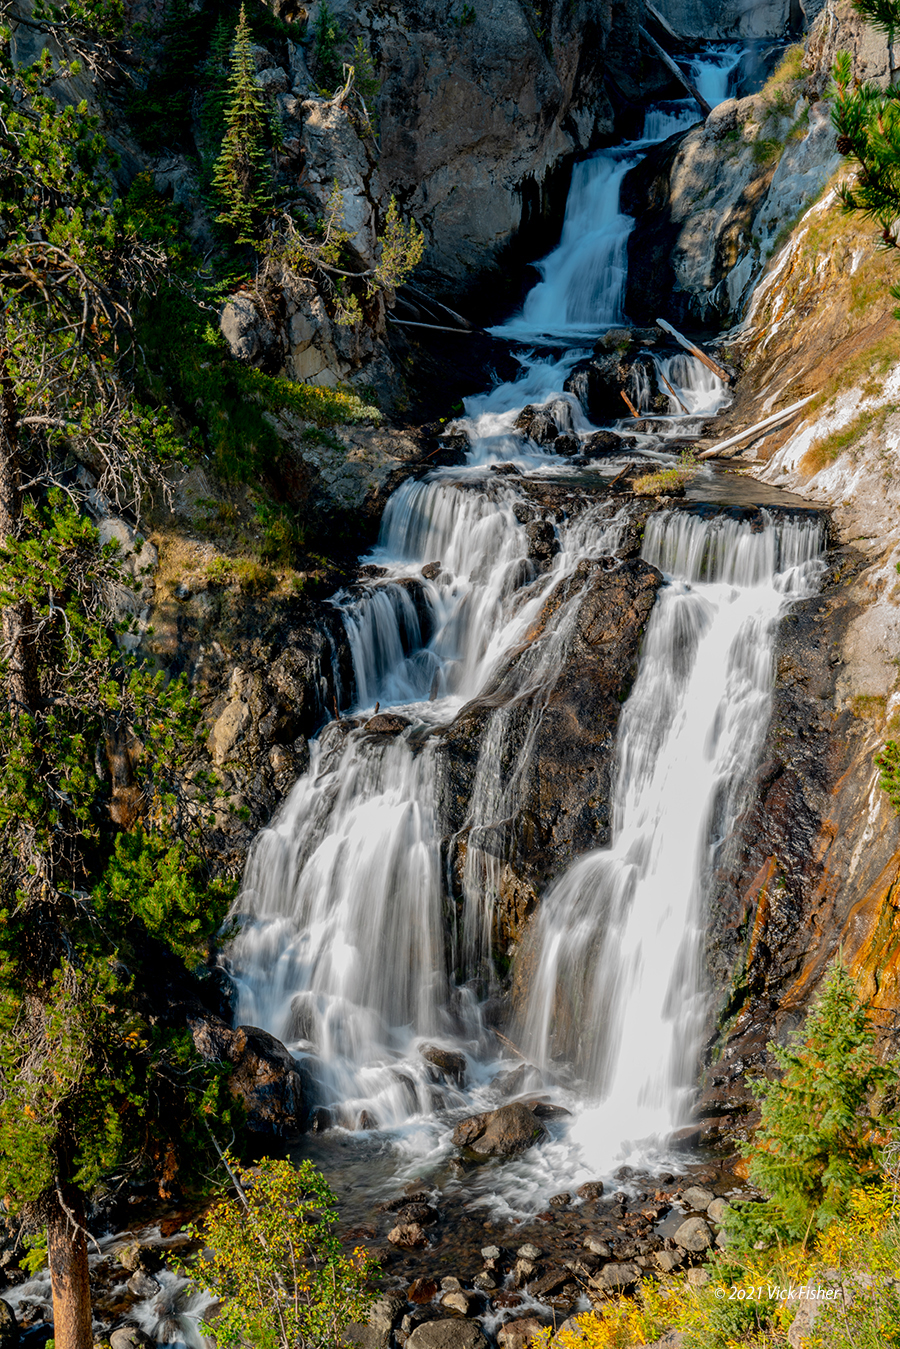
693 349
631 408
671 391
675 70
752 431
662 22
435 327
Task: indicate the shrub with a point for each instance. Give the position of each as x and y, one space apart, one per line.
273 1260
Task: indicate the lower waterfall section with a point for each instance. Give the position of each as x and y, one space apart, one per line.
614 991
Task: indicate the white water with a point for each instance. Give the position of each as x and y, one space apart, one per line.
350 951
618 940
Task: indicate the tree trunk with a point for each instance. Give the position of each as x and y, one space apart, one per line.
22 679
67 1251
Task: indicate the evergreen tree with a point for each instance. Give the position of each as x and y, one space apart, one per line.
818 1137
242 177
867 121
94 1072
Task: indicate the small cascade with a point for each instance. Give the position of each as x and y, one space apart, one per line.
617 944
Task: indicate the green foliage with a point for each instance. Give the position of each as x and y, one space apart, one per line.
272 1258
242 177
818 1136
160 114
328 35
162 883
888 761
867 122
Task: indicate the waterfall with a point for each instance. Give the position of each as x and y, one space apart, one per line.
617 944
354 947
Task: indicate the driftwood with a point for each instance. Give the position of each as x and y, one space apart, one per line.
671 391
676 71
752 431
431 303
435 327
661 22
693 349
631 408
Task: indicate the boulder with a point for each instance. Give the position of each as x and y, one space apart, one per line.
500 1133
9 1326
617 1276
376 1333
449 1061
597 1247
590 1191
408 1236
698 1198
450 1333
387 723
718 1210
418 1213
518 1334
264 1076
247 331
129 1337
537 424
694 1235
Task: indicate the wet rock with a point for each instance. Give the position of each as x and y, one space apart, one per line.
387 723
485 1281
598 1247
408 1236
450 1333
9 1326
590 1191
560 1200
523 1272
422 1291
694 1235
537 424
567 445
529 1251
140 1257
451 1284
698 1198
551 1282
518 1334
264 1076
142 1285
418 1213
500 1133
542 541
432 571
450 1062
366 1120
490 1252
605 444
129 1337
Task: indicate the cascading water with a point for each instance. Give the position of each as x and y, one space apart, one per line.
617 941
346 951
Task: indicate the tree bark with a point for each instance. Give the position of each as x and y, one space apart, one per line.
23 685
69 1276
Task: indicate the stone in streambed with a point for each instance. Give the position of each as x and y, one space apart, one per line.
694 1235
376 1333
500 1133
449 1061
450 1333
408 1236
718 1210
421 1291
387 723
519 1334
591 1190
698 1198
418 1213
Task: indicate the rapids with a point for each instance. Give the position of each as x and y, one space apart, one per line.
350 949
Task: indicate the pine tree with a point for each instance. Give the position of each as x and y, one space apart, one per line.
818 1137
242 177
867 121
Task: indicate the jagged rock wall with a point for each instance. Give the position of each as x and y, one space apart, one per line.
815 867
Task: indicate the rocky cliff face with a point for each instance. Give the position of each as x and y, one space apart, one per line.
815 866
